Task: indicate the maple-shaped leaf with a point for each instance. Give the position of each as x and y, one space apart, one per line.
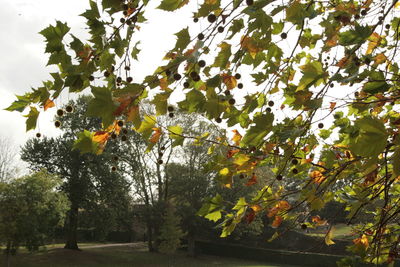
156 135
223 56
32 118
85 143
48 104
329 236
102 105
183 39
175 133
229 80
313 75
171 5
277 221
374 41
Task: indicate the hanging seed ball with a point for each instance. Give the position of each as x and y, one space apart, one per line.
241 176
283 35
271 103
69 109
160 154
160 161
177 76
387 26
200 36
279 177
162 148
295 171
125 131
115 158
364 12
170 108
113 168
171 115
167 72
57 124
113 136
195 20
218 120
106 74
295 161
120 123
220 29
186 84
227 92
249 2
124 138
60 112
125 13
129 79
320 125
127 68
202 63
240 85
268 109
91 78
238 76
211 18
119 80
304 226
122 20
232 101
38 135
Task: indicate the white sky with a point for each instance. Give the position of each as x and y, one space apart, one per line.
23 62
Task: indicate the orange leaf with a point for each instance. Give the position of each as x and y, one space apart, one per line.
317 176
229 81
231 153
283 205
277 221
101 137
380 58
237 137
249 44
164 83
156 135
250 216
124 103
252 180
132 113
332 105
317 220
49 104
256 208
362 241
343 62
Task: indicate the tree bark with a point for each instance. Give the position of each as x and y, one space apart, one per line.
150 238
72 227
191 244
8 254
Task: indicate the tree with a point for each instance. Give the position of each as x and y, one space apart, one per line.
89 180
30 210
8 155
321 106
170 233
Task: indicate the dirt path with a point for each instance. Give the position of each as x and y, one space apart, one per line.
134 245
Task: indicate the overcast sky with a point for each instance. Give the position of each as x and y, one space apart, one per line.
23 62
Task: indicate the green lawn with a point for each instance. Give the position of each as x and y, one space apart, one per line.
340 231
122 256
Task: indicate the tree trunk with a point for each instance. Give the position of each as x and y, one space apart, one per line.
8 254
72 227
191 244
150 238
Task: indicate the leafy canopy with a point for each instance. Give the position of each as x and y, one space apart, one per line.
311 88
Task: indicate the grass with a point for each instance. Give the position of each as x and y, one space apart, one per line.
340 231
122 256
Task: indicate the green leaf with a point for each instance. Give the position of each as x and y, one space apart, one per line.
223 56
255 135
160 101
214 216
171 5
194 101
32 119
313 74
102 105
175 133
396 162
372 137
54 36
147 125
183 39
356 36
85 143
20 104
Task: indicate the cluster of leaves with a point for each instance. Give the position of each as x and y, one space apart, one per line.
311 62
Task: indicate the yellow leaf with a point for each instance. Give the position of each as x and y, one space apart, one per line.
317 177
317 220
256 208
328 237
164 83
249 44
224 171
229 81
237 137
374 41
241 159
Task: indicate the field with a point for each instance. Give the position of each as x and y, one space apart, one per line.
124 256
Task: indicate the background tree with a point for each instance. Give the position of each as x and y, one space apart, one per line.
30 210
323 91
8 156
89 179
